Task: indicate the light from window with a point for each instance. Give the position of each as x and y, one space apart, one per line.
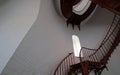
76 45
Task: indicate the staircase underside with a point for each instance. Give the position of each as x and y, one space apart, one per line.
73 18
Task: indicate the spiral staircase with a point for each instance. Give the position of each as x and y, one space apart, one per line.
93 59
73 18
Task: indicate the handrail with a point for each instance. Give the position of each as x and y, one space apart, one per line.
109 31
101 56
89 48
105 38
97 57
109 28
70 59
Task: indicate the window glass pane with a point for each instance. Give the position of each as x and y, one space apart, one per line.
76 45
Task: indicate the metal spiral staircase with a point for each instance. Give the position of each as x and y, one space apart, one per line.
93 59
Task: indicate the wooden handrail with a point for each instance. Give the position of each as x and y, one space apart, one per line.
105 38
97 57
88 48
71 60
102 54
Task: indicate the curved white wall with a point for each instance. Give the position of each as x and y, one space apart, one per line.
49 41
16 18
57 7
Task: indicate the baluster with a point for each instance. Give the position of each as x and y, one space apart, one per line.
96 58
101 52
100 55
93 58
112 37
60 70
106 46
115 21
110 41
68 61
89 59
87 53
84 52
67 66
114 33
73 59
63 68
104 52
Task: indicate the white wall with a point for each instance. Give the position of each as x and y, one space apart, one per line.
49 40
16 18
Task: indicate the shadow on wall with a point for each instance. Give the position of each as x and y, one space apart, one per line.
56 4
102 17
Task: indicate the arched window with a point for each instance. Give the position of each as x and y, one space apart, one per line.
76 45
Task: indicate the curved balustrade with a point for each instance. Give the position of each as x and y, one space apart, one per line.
100 56
64 65
92 59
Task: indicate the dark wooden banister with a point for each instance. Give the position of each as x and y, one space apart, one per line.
97 57
108 30
69 60
103 42
103 52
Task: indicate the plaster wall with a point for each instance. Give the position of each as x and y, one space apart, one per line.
16 18
49 41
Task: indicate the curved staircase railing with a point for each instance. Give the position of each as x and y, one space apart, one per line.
93 59
100 56
64 65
